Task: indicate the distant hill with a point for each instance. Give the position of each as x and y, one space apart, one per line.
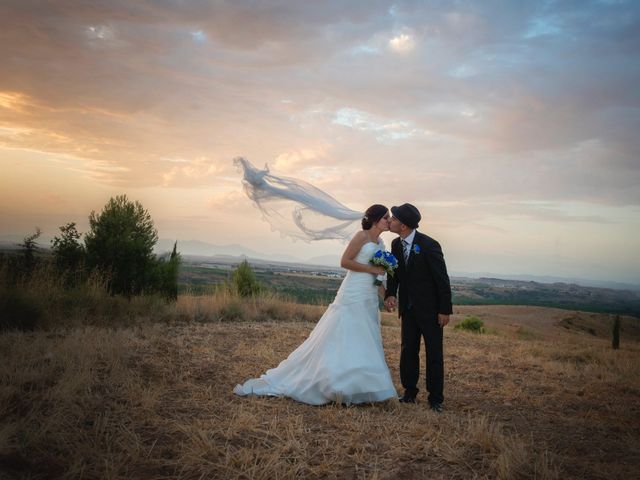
495 291
329 260
585 282
198 248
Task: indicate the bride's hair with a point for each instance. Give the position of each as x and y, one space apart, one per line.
373 214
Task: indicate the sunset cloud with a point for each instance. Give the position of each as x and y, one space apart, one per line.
472 115
296 160
191 173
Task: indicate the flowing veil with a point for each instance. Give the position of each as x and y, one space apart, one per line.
296 208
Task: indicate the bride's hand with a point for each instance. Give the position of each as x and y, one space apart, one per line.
377 271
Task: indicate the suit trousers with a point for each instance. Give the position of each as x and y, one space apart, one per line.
417 325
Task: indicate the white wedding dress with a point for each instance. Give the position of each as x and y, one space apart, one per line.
342 360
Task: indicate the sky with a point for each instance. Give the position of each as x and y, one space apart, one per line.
513 126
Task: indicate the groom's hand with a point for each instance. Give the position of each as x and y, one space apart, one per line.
390 304
443 319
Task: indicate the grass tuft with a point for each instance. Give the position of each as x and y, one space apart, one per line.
471 324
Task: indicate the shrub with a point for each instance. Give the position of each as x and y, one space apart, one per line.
17 312
69 255
232 311
67 251
40 300
244 282
471 324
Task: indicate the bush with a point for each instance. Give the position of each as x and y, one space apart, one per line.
17 312
244 282
69 256
40 300
67 251
471 324
232 311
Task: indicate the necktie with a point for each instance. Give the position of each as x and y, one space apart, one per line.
405 249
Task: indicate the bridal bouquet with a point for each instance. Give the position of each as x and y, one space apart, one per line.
385 260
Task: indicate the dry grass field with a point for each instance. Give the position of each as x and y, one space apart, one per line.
533 399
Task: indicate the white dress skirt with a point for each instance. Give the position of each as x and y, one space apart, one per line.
342 360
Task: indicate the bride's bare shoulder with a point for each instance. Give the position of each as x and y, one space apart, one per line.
358 240
360 237
356 243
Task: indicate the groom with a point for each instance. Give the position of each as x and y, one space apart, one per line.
425 303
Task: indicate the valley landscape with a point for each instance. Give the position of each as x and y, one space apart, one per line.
309 283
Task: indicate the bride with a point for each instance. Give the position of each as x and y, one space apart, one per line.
342 360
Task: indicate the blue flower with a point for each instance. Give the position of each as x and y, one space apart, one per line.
390 259
416 249
385 260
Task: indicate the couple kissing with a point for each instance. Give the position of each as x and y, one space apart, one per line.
342 360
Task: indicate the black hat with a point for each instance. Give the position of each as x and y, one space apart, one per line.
407 214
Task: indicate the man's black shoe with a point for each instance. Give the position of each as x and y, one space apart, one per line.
436 407
407 399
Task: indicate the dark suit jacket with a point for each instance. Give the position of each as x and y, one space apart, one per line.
424 282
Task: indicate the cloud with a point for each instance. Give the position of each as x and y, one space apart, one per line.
507 130
537 102
200 171
384 130
402 43
296 160
14 101
235 201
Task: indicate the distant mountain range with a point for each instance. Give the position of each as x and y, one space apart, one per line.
198 248
203 249
583 282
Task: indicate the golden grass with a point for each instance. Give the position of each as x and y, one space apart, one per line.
224 306
40 300
155 400
528 322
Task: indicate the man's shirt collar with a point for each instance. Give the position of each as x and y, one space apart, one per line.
409 238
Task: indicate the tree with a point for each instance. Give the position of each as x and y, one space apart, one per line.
244 282
171 289
167 274
120 243
30 248
67 251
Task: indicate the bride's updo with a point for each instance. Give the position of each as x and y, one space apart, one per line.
373 214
